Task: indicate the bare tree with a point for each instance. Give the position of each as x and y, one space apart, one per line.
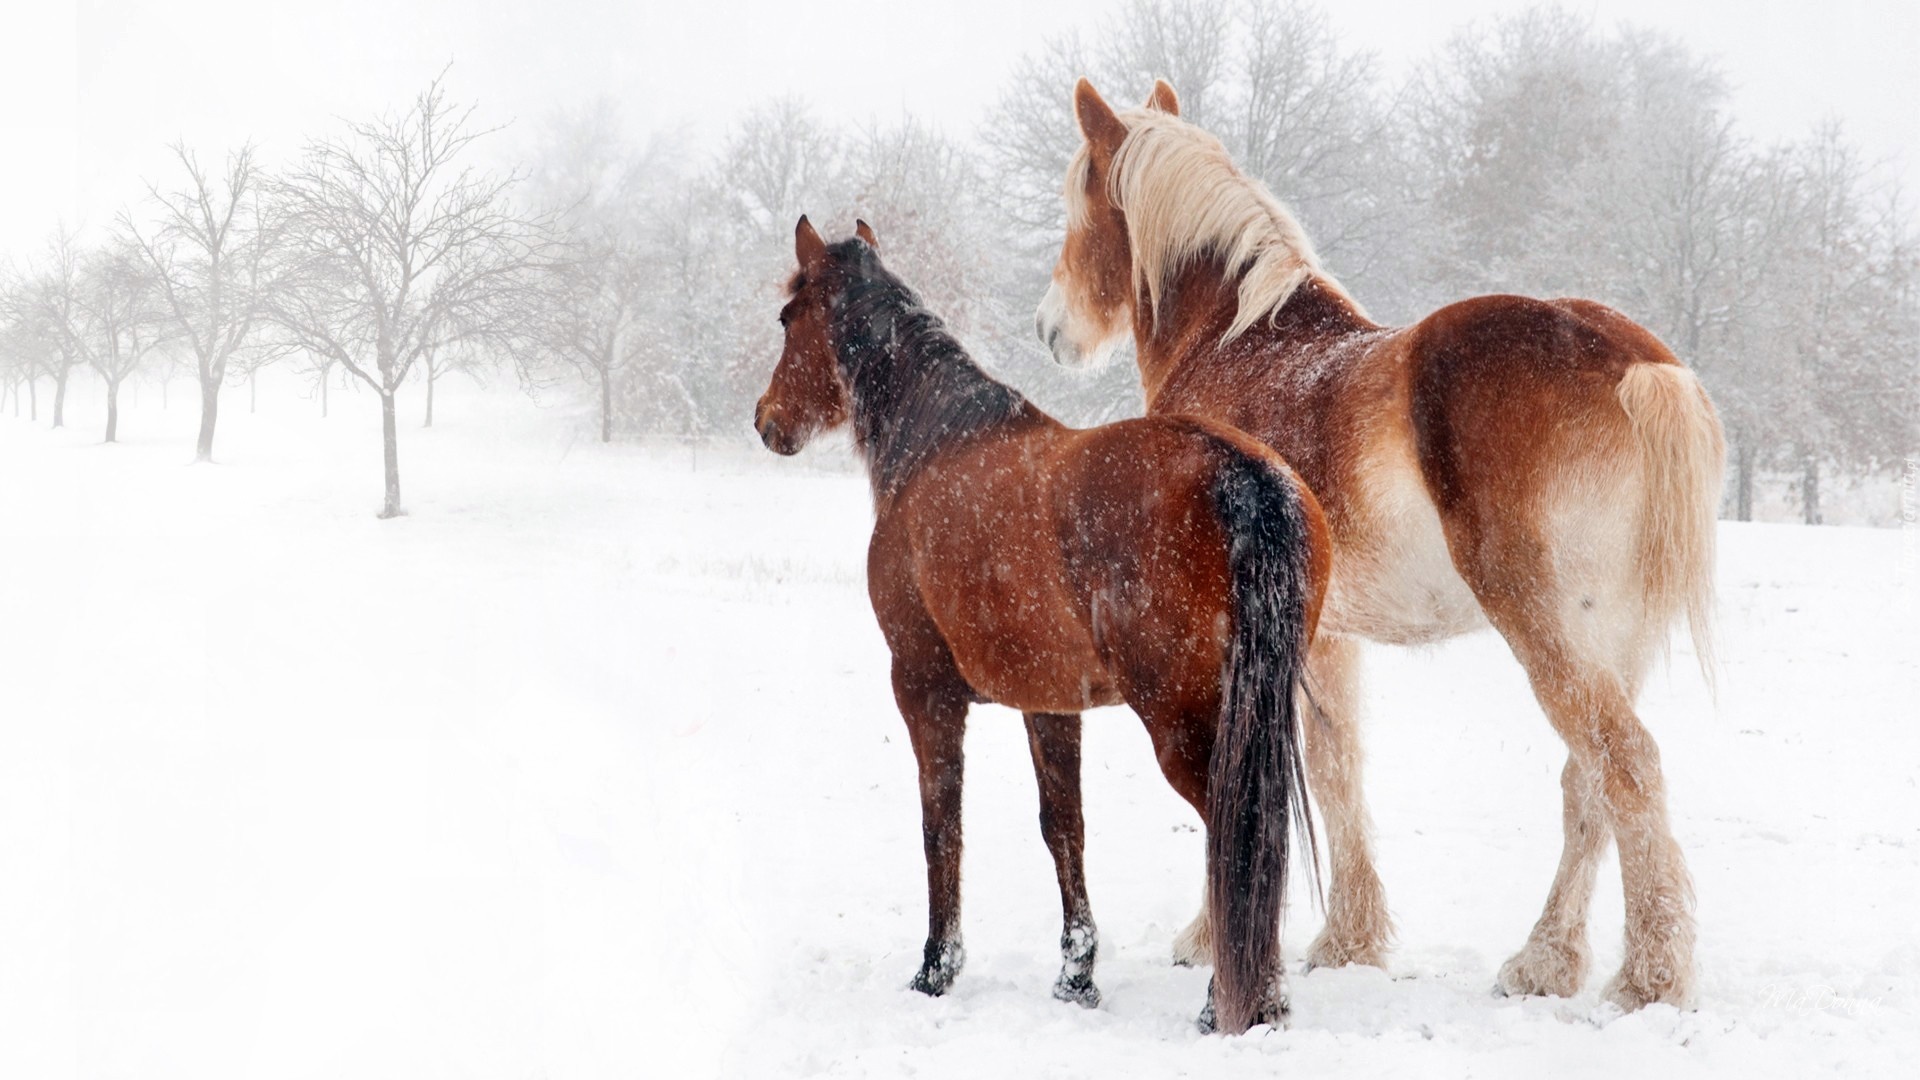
1030 136
396 249
592 316
118 319
48 299
470 358
1183 41
591 312
1851 365
778 160
210 247
27 347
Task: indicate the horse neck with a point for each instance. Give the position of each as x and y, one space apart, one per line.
1200 304
915 393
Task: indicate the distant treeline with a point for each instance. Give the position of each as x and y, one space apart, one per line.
1533 153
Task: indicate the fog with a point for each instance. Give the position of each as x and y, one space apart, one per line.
142 75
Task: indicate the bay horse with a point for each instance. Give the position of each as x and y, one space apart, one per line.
1546 466
1172 564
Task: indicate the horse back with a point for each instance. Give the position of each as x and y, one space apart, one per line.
1062 569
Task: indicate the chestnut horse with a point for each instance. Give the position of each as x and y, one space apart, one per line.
1546 466
1172 564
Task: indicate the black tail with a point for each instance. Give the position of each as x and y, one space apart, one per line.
1257 787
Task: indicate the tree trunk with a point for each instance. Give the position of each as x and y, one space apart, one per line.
253 393
209 412
1810 488
429 422
113 410
606 405
33 400
60 399
324 380
1743 482
164 384
391 438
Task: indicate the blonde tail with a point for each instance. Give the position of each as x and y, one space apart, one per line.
1685 458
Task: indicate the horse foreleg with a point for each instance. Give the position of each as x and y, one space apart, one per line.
1054 739
1358 927
1193 947
935 709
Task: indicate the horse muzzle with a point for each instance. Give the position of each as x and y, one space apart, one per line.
1054 323
775 436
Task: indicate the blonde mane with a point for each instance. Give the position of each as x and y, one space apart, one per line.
1183 198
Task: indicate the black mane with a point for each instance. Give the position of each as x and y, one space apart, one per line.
913 388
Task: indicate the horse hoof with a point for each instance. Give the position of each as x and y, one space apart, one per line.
1208 1022
1329 952
1080 992
1194 945
1276 1010
933 982
1632 994
1543 970
940 967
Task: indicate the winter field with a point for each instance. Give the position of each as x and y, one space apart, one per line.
589 768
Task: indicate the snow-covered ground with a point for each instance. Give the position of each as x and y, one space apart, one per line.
589 768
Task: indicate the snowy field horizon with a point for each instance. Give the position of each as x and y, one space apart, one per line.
588 766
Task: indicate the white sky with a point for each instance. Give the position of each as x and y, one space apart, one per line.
91 91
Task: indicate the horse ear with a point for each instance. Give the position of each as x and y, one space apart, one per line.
1163 98
807 245
865 232
1103 129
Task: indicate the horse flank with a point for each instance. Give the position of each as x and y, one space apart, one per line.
1184 198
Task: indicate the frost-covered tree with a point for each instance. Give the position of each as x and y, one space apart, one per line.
395 247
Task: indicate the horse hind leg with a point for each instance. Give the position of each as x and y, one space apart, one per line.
1595 715
1585 635
1054 739
1555 958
